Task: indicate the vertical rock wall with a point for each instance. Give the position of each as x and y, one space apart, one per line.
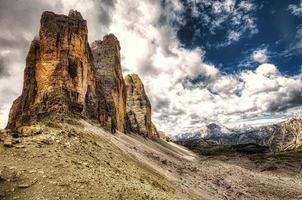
59 74
107 61
139 108
64 76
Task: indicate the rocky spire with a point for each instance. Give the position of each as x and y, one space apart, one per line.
107 62
139 108
59 75
63 76
75 14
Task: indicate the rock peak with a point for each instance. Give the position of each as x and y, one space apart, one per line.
75 14
108 40
64 77
59 74
107 61
139 108
110 36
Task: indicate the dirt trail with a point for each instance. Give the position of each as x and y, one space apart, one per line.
213 177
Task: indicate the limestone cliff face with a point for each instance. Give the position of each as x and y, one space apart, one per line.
139 108
64 76
59 74
107 61
287 136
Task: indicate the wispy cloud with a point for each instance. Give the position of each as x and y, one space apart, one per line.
296 9
238 18
295 46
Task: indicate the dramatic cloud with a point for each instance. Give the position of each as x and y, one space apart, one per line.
184 90
3 68
296 9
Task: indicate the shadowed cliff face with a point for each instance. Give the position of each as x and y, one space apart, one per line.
59 74
107 61
139 108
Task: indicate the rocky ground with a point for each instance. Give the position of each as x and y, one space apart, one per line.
78 160
63 161
226 174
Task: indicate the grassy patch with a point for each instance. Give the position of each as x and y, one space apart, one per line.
230 150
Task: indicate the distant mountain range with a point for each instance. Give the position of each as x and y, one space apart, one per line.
278 137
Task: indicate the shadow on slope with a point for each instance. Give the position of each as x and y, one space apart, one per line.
255 157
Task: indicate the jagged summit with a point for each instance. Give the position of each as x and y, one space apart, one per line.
109 38
139 108
59 73
75 14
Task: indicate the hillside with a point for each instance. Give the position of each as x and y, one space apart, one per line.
76 160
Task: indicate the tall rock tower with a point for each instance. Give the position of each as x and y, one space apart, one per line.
107 62
64 77
139 108
59 76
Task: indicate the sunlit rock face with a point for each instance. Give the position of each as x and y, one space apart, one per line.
139 108
59 75
287 135
107 61
64 76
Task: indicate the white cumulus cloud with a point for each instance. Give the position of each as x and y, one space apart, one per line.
260 56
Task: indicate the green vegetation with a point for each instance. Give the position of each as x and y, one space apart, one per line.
230 150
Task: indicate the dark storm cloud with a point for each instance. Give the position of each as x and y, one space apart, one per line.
291 99
161 103
7 95
3 68
105 8
11 43
19 23
17 16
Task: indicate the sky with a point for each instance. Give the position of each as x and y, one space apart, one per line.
201 61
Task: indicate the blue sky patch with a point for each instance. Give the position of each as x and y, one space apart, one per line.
230 35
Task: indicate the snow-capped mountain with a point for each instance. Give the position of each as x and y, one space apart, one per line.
286 135
218 134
